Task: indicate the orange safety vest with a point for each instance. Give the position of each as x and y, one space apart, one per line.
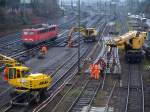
44 49
91 71
97 68
97 71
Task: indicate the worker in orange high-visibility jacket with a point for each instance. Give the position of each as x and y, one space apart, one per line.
97 71
44 49
91 71
70 43
6 71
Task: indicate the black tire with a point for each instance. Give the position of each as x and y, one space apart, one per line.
13 94
37 98
94 39
44 93
84 40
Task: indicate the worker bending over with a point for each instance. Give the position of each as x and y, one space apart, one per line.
43 50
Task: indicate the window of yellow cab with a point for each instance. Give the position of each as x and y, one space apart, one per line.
17 72
12 72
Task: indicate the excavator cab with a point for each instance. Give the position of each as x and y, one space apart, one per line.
17 72
12 74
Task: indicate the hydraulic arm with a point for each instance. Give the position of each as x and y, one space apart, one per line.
87 33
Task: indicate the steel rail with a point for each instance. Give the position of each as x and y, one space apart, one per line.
142 85
141 89
36 110
41 106
110 97
64 97
57 105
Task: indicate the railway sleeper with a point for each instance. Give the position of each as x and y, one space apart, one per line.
132 87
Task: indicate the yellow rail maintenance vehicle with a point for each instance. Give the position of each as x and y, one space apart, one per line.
132 43
26 87
89 34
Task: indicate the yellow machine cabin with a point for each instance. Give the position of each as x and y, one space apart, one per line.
138 41
18 76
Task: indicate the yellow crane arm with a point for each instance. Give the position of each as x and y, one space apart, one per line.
7 60
120 40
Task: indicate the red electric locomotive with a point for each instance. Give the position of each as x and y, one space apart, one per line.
43 33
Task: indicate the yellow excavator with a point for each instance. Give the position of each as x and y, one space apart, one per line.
132 43
26 87
89 34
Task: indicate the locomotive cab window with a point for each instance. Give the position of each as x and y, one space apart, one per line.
52 28
43 31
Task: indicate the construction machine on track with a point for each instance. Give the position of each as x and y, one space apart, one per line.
26 87
132 43
89 34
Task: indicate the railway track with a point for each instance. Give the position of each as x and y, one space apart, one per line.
60 77
110 97
46 104
135 93
5 93
86 96
48 108
16 46
19 56
72 69
79 85
25 53
123 21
